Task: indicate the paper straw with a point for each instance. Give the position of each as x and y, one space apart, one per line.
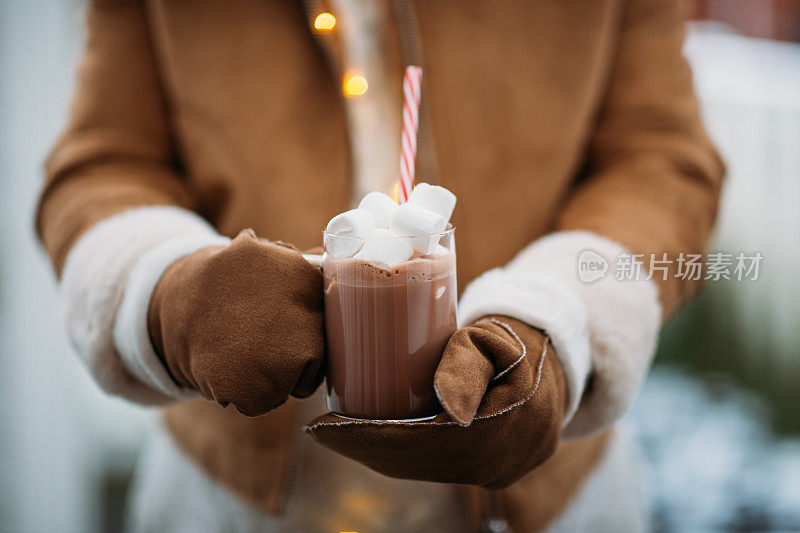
412 93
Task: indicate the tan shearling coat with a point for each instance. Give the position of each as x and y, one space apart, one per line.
547 116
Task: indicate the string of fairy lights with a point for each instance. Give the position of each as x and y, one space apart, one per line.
352 84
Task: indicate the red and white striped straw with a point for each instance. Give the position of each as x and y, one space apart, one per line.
412 93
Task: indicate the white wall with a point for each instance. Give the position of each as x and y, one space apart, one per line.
750 92
56 430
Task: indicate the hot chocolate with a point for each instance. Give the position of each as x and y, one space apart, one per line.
390 303
386 329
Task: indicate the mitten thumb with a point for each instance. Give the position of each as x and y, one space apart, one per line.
463 375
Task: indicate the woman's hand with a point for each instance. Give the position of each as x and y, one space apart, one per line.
502 388
242 324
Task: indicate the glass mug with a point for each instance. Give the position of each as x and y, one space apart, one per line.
386 329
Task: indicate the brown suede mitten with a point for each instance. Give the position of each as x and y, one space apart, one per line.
504 395
242 324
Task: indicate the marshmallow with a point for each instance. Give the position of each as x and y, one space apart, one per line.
434 198
354 223
411 220
380 205
440 251
384 247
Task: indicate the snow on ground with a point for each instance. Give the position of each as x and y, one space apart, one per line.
712 460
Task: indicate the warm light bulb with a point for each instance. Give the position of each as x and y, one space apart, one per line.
355 85
324 22
396 191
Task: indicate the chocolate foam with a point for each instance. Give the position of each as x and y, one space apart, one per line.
353 271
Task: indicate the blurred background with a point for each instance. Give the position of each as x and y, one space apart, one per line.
719 417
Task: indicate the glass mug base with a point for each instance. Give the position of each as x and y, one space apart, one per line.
385 420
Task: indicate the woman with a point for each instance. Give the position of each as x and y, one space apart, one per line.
561 126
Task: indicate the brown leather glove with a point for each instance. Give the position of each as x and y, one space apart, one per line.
242 324
504 395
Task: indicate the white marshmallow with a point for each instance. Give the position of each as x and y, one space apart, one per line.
354 223
418 223
385 248
380 205
434 198
440 251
